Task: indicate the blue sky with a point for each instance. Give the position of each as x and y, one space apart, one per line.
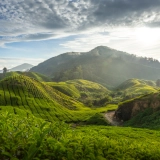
34 30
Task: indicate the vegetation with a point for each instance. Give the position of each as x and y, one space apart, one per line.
133 88
143 111
43 101
31 138
65 120
149 118
37 76
90 93
102 65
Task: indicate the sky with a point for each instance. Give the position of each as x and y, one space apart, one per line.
32 31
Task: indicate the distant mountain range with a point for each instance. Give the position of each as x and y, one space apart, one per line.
103 65
22 67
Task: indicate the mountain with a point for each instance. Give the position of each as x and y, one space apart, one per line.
22 67
103 65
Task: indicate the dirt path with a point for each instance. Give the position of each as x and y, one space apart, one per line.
110 118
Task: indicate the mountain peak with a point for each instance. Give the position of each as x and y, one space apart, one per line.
22 67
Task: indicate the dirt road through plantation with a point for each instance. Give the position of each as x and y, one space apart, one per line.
111 119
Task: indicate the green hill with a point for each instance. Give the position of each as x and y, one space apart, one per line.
135 87
43 101
31 95
102 65
82 90
37 76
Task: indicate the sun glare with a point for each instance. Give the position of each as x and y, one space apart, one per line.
147 35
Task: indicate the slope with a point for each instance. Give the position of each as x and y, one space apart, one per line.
143 111
103 65
82 90
135 87
29 94
31 138
37 76
42 100
22 67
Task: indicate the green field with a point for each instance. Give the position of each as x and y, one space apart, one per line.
44 101
30 138
49 120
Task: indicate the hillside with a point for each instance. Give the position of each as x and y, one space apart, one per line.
33 138
143 111
103 65
43 101
37 76
133 88
27 94
85 91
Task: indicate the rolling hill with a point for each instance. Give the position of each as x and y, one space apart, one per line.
34 75
135 87
103 65
43 101
82 90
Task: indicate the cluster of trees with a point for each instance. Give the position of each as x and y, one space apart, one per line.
142 60
99 102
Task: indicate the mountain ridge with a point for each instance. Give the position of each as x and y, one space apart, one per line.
103 65
22 67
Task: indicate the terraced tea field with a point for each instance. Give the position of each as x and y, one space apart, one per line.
43 101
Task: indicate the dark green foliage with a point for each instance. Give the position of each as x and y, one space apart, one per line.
149 118
97 119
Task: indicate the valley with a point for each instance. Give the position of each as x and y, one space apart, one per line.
66 115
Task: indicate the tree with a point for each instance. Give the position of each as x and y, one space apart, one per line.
158 82
4 71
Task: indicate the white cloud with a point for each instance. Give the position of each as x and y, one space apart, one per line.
139 41
23 20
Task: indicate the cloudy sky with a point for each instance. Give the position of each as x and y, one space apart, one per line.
32 31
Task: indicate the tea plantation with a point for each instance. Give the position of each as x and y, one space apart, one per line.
40 122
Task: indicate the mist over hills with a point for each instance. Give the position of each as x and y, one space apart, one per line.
103 65
22 67
32 103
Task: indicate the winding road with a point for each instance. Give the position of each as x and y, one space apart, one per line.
111 119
